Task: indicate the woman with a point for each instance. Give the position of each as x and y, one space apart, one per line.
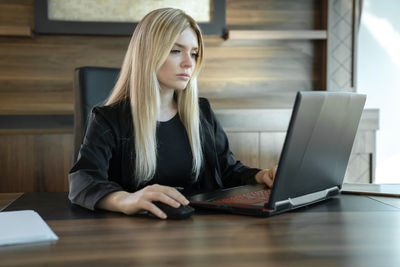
154 133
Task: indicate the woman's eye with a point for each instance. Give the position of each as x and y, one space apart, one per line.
175 51
195 55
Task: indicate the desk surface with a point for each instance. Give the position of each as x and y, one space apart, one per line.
345 231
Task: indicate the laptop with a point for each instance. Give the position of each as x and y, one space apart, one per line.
313 160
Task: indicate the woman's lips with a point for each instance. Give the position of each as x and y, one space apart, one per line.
183 76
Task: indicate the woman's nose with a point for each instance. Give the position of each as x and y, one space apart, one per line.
187 61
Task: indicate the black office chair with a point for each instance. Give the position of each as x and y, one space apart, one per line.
92 85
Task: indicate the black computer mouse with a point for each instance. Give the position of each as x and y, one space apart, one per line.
183 212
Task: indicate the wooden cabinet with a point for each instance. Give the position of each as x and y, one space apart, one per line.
35 160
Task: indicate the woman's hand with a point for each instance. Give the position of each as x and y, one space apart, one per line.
131 203
266 176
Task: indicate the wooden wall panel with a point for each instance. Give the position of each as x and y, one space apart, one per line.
51 58
260 73
270 148
35 162
16 13
275 14
36 73
245 147
41 70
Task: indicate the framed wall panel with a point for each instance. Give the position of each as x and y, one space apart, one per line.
47 23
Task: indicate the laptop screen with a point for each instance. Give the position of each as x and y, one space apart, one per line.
318 143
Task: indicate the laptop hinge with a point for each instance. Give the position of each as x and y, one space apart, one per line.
306 199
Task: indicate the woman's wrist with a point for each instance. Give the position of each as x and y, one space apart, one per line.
113 201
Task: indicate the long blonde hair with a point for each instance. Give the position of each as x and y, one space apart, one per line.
148 49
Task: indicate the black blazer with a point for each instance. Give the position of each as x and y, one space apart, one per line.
104 163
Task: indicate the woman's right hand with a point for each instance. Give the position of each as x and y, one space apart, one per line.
131 203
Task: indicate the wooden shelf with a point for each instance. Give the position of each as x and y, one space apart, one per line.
23 31
277 35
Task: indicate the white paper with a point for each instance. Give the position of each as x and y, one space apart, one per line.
24 226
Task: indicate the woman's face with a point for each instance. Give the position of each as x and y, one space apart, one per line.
177 70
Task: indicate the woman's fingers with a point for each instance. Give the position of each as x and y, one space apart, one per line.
148 195
268 176
271 176
272 172
162 197
171 193
149 206
268 180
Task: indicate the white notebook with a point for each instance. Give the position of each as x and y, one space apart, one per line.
24 226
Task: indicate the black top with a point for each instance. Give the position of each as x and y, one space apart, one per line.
174 154
104 163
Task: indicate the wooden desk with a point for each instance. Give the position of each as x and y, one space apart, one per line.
345 231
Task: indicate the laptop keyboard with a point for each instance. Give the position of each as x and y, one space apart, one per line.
247 198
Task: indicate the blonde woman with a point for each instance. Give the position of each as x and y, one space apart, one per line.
154 133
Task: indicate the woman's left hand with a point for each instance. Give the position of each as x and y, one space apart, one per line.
266 176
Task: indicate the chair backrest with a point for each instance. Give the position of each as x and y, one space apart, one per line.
92 86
